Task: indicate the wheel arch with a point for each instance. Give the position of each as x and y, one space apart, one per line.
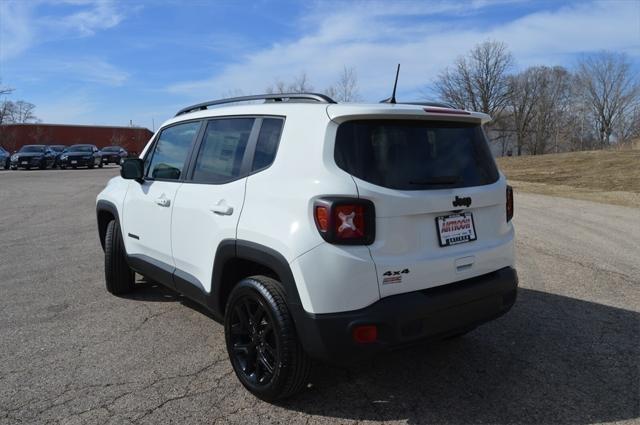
237 259
105 212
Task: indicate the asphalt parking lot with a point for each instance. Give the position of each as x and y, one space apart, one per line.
568 352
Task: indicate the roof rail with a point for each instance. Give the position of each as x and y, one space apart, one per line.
279 97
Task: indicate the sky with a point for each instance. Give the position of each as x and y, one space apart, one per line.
115 62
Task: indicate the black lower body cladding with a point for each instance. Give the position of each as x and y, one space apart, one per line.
434 313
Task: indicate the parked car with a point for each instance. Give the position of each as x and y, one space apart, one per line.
113 154
57 149
5 158
83 155
32 156
316 230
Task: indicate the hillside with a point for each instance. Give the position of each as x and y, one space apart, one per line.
602 176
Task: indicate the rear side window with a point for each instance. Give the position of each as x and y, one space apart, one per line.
267 144
170 151
415 155
222 150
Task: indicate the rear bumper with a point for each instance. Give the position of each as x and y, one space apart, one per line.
403 319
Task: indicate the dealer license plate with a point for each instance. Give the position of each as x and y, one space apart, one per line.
456 228
74 162
24 162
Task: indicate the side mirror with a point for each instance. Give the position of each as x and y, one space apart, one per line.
132 169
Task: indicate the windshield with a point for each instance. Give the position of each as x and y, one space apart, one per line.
80 148
32 148
415 155
111 149
57 148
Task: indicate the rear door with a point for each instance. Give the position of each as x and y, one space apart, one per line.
148 205
439 199
209 203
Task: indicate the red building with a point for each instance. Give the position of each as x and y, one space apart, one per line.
14 136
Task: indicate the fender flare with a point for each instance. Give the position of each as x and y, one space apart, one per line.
109 207
229 249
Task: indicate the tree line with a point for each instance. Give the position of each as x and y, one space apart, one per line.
15 112
541 109
544 109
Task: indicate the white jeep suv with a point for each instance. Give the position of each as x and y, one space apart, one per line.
316 230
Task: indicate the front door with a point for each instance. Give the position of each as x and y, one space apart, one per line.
148 205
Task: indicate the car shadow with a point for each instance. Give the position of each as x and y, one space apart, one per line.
149 291
551 359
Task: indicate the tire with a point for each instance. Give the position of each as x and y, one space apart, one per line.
62 167
91 166
119 277
261 339
100 165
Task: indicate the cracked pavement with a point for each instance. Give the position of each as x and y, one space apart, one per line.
70 353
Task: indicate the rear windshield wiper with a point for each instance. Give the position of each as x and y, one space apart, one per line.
432 181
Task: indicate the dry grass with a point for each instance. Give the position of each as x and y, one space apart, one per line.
602 176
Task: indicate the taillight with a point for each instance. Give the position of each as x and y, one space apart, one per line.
509 203
345 221
446 111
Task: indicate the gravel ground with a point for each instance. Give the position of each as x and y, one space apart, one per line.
568 352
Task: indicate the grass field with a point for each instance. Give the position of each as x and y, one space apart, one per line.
603 176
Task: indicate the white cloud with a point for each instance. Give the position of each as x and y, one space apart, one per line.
88 69
22 26
15 32
424 38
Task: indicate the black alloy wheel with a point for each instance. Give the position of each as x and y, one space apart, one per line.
252 340
261 340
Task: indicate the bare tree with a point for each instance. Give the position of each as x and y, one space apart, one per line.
610 91
23 112
523 98
554 102
277 87
346 88
4 90
6 112
478 81
300 84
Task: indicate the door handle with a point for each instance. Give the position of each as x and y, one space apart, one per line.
221 208
163 201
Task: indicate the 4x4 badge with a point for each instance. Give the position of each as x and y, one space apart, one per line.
460 202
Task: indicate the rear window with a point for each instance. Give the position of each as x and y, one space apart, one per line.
415 155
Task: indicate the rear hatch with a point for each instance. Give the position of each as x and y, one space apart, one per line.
439 198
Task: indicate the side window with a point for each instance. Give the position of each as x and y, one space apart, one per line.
267 144
222 150
171 150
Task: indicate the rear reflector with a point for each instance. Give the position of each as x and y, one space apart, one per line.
365 334
446 111
509 203
322 218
